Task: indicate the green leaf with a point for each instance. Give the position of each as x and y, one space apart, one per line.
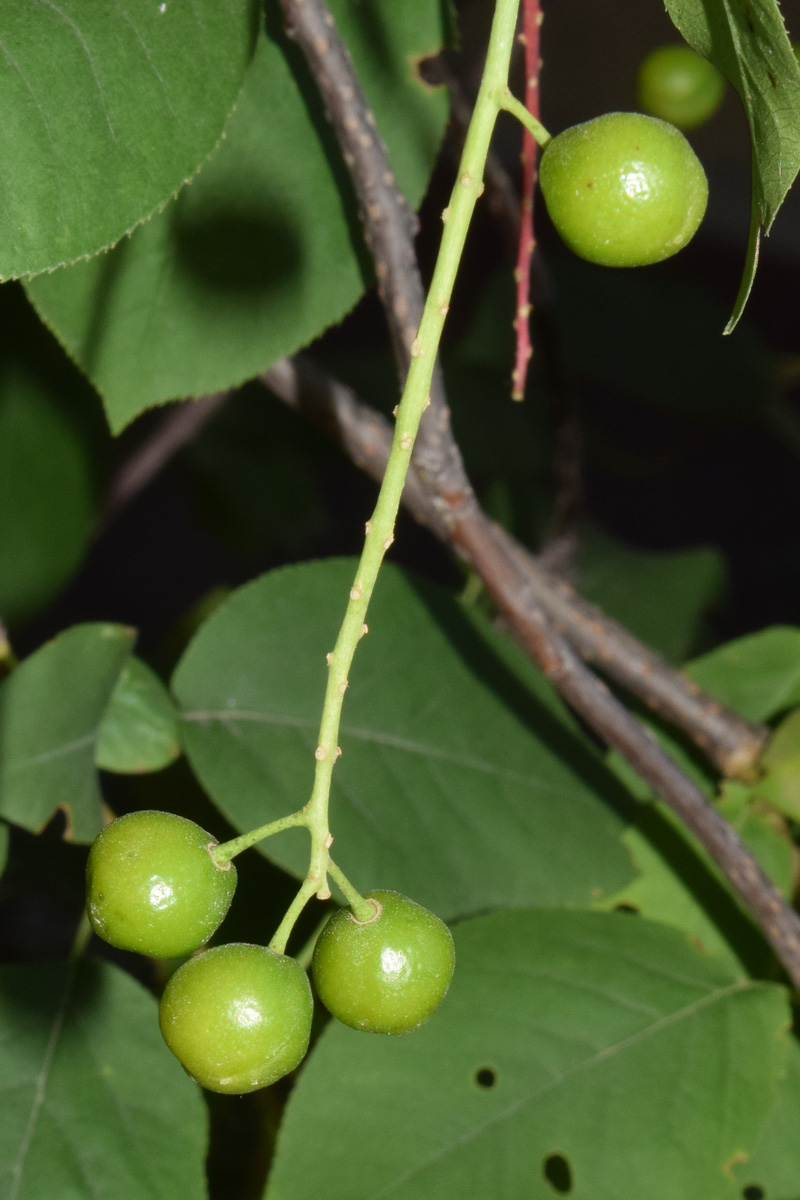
106 113
747 41
781 761
51 708
139 731
679 885
46 492
770 845
774 1163
660 597
602 1039
463 781
94 1107
3 845
759 675
264 251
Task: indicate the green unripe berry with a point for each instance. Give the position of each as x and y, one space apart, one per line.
623 190
153 887
387 975
238 1017
677 84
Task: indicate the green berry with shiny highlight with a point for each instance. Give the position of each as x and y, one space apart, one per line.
677 84
387 975
623 190
153 887
238 1017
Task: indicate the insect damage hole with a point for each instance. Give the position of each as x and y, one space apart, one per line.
486 1077
753 1192
558 1173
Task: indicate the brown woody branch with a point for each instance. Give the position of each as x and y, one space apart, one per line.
148 460
505 571
609 718
389 224
495 558
726 738
502 198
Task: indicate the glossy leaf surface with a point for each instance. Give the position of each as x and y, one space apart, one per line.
463 782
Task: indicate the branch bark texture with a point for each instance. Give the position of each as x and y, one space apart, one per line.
389 224
504 567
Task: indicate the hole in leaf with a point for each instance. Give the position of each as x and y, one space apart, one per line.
486 1077
627 908
558 1173
753 1192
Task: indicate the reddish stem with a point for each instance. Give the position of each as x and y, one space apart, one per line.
531 22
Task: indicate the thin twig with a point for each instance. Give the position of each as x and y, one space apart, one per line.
506 572
730 742
502 197
176 430
559 542
531 21
389 224
313 27
364 434
589 697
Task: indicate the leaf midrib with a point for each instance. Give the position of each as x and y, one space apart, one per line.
421 749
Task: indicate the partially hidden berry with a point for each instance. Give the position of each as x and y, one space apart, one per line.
623 190
153 887
387 975
238 1017
677 84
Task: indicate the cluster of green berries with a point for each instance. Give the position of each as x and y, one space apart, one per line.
238 1017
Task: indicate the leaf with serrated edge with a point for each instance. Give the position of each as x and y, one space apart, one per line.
107 110
747 41
92 1104
264 251
605 1039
